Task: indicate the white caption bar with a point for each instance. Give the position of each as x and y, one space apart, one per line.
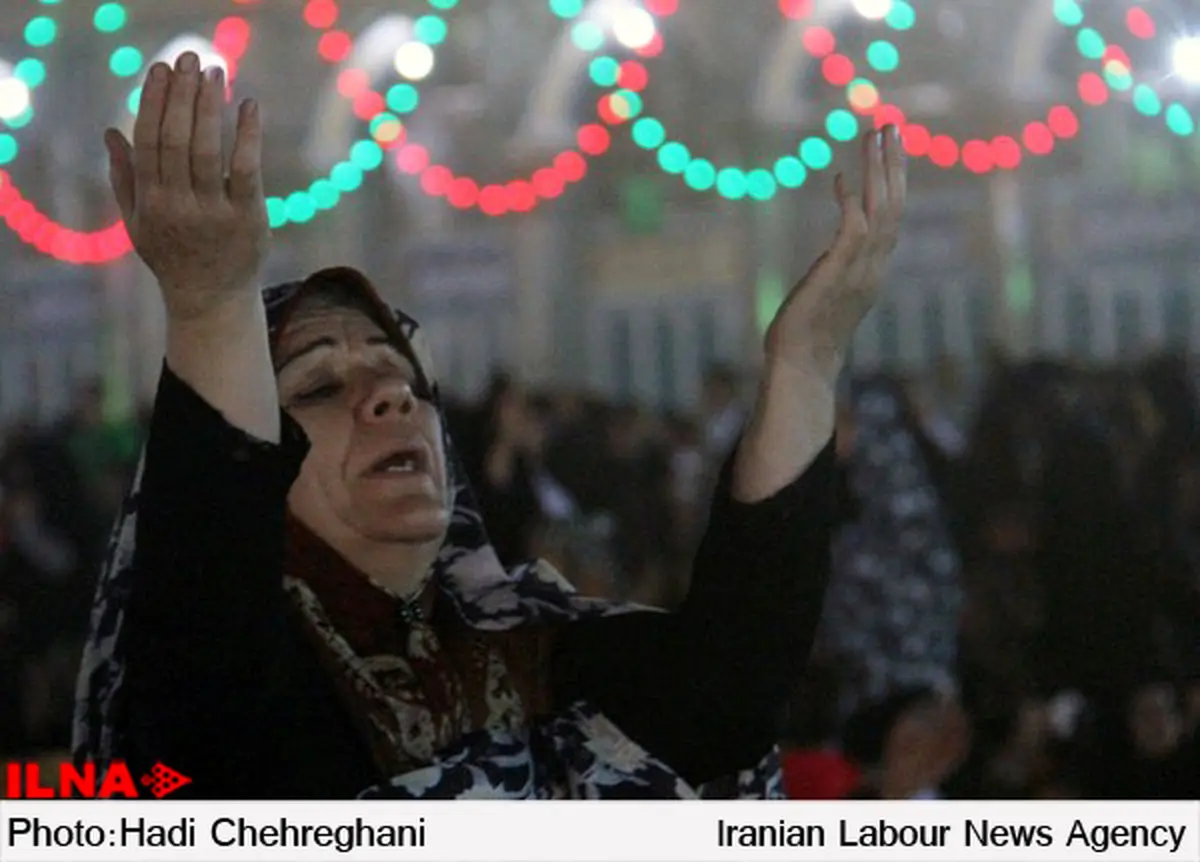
120 831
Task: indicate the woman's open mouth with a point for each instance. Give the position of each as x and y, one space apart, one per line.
407 461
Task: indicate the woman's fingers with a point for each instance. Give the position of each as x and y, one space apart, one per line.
178 123
121 172
888 225
208 163
894 171
245 172
852 231
147 129
874 189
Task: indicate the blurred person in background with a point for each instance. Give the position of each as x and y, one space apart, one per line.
504 460
43 616
637 495
302 600
891 616
907 744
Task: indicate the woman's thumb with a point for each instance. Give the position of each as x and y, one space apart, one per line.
120 171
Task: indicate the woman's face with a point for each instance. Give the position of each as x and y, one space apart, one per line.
376 470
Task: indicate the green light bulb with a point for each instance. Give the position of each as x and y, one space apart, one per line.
324 194
1090 43
901 16
345 177
8 149
366 155
673 157
30 70
1068 13
300 208
816 154
430 29
1146 101
109 17
883 56
841 125
566 8
604 71
700 175
276 212
40 32
587 36
760 185
648 133
790 172
125 61
1180 121
731 184
403 98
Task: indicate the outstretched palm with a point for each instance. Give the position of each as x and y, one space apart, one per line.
817 321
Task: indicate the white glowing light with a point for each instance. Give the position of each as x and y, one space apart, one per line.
1185 57
633 27
14 98
873 10
414 60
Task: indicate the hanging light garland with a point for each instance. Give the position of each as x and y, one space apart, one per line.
1002 152
1117 73
493 198
381 112
385 112
735 183
620 104
41 31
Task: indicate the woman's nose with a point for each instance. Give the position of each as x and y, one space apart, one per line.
389 400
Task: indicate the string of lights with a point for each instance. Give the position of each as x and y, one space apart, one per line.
622 83
40 32
385 112
980 156
732 182
520 194
1117 73
381 112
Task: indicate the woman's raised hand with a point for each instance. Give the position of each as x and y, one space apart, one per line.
817 321
202 231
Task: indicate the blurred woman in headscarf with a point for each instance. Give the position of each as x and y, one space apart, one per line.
891 615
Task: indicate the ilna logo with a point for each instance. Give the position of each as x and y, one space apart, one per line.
26 781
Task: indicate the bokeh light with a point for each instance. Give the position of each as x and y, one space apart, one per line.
1185 59
873 10
1003 152
414 61
14 97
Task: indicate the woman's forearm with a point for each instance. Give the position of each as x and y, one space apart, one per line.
225 357
793 420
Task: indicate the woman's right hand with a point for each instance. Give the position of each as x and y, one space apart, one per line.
204 235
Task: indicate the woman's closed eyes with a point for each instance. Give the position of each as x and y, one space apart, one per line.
317 393
326 389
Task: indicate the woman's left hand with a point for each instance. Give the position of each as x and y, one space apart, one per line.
814 327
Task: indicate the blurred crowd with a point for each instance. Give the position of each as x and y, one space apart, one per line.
1015 604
